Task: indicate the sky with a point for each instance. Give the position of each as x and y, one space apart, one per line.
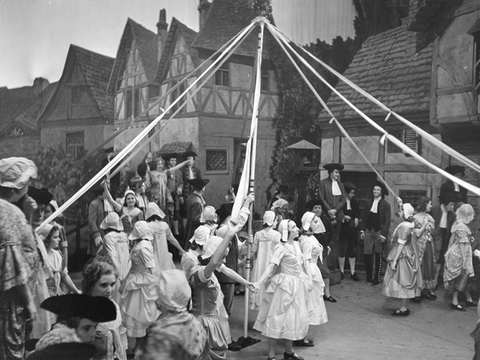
36 34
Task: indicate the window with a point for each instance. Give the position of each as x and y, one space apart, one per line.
16 131
132 103
222 76
475 32
217 160
75 95
264 83
409 137
75 144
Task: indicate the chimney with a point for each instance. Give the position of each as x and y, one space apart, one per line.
203 10
39 84
162 31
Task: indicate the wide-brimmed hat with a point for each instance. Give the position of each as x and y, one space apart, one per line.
208 214
41 196
269 217
349 186
189 153
224 211
174 292
382 186
169 156
201 235
455 169
44 231
153 209
63 351
94 308
112 221
16 172
333 166
312 203
307 219
198 183
141 230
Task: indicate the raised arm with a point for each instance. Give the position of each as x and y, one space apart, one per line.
118 207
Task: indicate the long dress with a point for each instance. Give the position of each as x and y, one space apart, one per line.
161 232
140 291
15 269
57 268
111 339
312 251
283 313
405 282
159 192
115 245
207 306
426 250
454 261
264 242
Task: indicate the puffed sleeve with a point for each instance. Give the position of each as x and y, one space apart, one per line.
402 234
146 254
278 253
307 248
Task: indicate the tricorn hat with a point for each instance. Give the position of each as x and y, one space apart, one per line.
311 203
41 196
186 154
94 308
334 166
198 183
455 169
382 186
349 186
169 156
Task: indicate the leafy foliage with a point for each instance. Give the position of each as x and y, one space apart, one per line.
52 164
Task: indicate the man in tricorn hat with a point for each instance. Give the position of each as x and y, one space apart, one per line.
375 227
175 186
332 194
195 204
451 187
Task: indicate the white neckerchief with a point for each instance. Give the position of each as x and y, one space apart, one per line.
443 219
190 173
349 206
374 208
335 188
456 187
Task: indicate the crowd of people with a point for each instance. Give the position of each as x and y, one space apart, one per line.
164 266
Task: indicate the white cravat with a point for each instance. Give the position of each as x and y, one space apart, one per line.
374 208
349 206
335 188
443 219
456 187
190 173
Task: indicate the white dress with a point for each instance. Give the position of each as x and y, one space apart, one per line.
161 232
115 245
264 242
312 250
140 291
283 312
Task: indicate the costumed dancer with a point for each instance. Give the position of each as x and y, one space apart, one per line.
283 313
139 290
190 259
312 252
161 233
207 297
264 242
403 277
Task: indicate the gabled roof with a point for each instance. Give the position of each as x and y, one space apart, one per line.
23 106
225 19
177 30
385 68
147 43
96 69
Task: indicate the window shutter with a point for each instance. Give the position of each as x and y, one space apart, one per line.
411 139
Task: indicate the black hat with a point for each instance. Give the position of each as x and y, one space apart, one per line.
349 186
455 169
167 157
198 183
224 211
447 198
333 166
186 154
94 308
311 203
109 150
382 186
62 351
41 196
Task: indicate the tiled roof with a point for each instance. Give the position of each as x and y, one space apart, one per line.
147 43
176 148
385 68
225 19
23 106
177 29
96 69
